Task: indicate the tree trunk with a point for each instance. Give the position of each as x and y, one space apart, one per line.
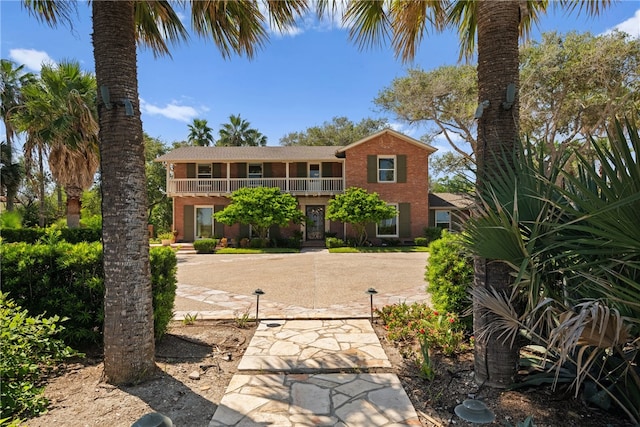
74 194
128 312
498 129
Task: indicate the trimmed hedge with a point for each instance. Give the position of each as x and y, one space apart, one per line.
334 242
33 235
450 275
68 280
205 246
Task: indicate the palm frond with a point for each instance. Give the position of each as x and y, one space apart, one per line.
410 20
156 24
51 12
368 22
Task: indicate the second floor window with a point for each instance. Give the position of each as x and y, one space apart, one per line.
386 169
204 170
255 170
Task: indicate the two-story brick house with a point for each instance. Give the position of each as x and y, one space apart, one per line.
201 179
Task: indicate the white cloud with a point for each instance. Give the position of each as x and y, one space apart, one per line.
331 19
631 26
31 58
183 113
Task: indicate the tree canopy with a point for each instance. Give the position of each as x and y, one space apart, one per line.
339 131
261 208
200 133
358 207
238 132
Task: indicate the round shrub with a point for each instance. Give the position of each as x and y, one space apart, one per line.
205 246
449 275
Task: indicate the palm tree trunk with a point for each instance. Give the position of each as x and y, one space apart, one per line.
498 129
128 323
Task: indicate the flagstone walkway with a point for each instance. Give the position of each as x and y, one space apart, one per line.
315 372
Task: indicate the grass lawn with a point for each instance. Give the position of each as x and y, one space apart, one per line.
382 249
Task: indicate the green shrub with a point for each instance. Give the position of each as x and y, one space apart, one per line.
257 243
68 280
421 241
10 219
32 235
28 235
164 266
334 242
205 246
29 347
432 233
77 235
449 275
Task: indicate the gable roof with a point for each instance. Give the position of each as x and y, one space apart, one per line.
394 133
450 201
244 154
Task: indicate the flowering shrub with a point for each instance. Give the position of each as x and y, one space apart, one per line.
417 321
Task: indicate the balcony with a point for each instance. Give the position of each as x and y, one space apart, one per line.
226 186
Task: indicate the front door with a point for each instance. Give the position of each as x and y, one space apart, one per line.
204 222
315 226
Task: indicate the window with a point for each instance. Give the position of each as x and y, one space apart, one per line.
204 170
386 169
388 227
255 170
443 219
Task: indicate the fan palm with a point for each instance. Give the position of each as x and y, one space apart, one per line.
118 27
574 249
494 27
238 132
200 133
12 79
59 116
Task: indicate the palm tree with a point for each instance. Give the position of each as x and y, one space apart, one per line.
200 133
12 79
60 118
497 27
118 26
238 132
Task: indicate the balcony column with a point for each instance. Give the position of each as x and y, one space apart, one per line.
286 171
228 176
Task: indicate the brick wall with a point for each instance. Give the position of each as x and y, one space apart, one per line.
414 191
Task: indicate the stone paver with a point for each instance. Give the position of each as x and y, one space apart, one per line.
306 390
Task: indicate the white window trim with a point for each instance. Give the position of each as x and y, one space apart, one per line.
204 175
261 170
395 205
195 221
437 223
309 169
395 169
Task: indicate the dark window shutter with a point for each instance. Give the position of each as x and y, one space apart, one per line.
401 168
191 170
404 214
372 168
218 227
266 170
217 170
189 226
242 170
327 170
302 170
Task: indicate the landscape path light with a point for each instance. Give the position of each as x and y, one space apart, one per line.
371 293
474 411
257 293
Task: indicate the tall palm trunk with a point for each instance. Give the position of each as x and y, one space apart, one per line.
498 23
128 324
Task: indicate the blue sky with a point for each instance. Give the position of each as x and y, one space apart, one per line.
296 81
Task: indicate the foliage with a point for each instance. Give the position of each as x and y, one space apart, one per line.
260 207
358 207
10 219
450 275
32 235
200 133
334 242
238 133
424 364
29 347
228 251
421 241
528 422
340 131
164 267
432 233
437 330
574 247
205 246
377 249
159 206
67 280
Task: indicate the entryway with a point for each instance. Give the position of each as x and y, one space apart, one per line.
315 225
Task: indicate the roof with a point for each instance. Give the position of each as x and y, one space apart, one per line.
394 133
245 154
450 201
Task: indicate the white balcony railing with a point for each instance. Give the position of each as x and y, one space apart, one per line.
208 186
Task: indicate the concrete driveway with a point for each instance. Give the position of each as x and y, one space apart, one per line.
310 284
